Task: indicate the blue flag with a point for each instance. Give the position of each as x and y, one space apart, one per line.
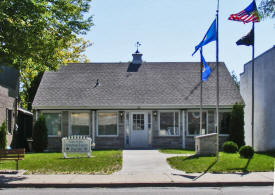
206 70
209 37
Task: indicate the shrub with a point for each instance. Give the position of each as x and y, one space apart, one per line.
230 147
246 152
3 136
236 126
40 135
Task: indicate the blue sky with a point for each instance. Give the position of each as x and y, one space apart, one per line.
170 29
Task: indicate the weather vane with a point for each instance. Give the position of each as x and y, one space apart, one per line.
138 44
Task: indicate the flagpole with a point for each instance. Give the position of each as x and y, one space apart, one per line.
217 71
201 94
253 52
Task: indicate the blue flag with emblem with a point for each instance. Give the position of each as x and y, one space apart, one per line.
209 36
206 70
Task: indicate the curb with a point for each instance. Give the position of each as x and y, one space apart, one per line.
127 185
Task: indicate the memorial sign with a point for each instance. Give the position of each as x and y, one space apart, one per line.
76 144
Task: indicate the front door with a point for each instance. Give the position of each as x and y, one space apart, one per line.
139 129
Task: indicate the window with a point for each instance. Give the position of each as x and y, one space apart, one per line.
224 121
211 121
208 122
53 123
80 123
9 120
107 124
194 122
169 123
138 122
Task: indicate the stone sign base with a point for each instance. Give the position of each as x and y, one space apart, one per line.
206 144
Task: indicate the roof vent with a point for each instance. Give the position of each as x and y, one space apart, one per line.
137 56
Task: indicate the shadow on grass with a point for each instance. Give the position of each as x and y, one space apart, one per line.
206 171
196 177
191 157
243 170
80 157
270 153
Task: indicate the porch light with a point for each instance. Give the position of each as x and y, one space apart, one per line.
121 114
155 114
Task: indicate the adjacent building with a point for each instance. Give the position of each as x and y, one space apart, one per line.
9 79
264 102
133 105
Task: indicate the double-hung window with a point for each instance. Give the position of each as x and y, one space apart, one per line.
194 122
107 124
80 123
53 123
169 123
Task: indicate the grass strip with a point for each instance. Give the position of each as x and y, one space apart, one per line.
101 162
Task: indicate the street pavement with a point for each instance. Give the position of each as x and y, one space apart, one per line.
266 190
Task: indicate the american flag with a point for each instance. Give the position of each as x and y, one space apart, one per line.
249 14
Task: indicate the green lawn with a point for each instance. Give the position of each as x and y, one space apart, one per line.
227 163
176 151
101 162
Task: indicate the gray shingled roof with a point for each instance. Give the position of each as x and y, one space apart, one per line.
156 84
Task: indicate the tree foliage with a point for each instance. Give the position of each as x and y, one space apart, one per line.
236 127
3 136
34 32
267 8
40 135
30 77
235 79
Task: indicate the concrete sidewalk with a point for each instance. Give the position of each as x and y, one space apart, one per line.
140 168
118 180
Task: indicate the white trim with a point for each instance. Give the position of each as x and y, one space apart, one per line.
36 114
93 125
183 129
151 125
70 123
173 111
117 119
125 134
25 111
53 112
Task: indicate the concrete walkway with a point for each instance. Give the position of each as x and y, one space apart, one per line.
146 162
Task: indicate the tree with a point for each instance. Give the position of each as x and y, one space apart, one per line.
235 79
236 127
40 135
267 8
33 32
3 136
30 77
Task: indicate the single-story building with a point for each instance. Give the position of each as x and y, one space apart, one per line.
264 99
133 105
